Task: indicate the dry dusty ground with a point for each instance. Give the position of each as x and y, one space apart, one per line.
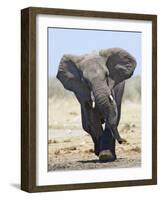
70 148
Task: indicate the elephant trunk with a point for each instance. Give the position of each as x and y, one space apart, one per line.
108 107
105 102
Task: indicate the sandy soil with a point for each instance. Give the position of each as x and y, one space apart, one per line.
73 150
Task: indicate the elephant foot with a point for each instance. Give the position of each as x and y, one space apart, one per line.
106 156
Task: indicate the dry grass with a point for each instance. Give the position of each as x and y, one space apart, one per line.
61 113
132 89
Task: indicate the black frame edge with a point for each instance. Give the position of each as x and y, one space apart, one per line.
24 99
28 100
154 99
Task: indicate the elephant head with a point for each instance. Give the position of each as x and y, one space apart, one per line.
92 78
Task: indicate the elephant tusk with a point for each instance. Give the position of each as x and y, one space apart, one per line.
93 104
92 96
103 126
111 97
93 100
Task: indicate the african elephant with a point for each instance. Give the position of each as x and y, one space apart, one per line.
98 81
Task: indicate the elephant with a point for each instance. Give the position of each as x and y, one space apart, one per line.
98 82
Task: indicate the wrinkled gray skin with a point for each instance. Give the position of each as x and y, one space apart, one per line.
98 83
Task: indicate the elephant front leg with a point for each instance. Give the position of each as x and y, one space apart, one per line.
107 146
91 123
107 141
104 142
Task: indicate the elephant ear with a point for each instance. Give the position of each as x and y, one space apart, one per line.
120 64
70 77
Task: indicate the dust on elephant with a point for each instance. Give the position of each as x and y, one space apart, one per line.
98 82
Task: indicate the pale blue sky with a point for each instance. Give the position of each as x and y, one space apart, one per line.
78 41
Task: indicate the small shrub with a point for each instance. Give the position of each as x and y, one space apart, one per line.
132 90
